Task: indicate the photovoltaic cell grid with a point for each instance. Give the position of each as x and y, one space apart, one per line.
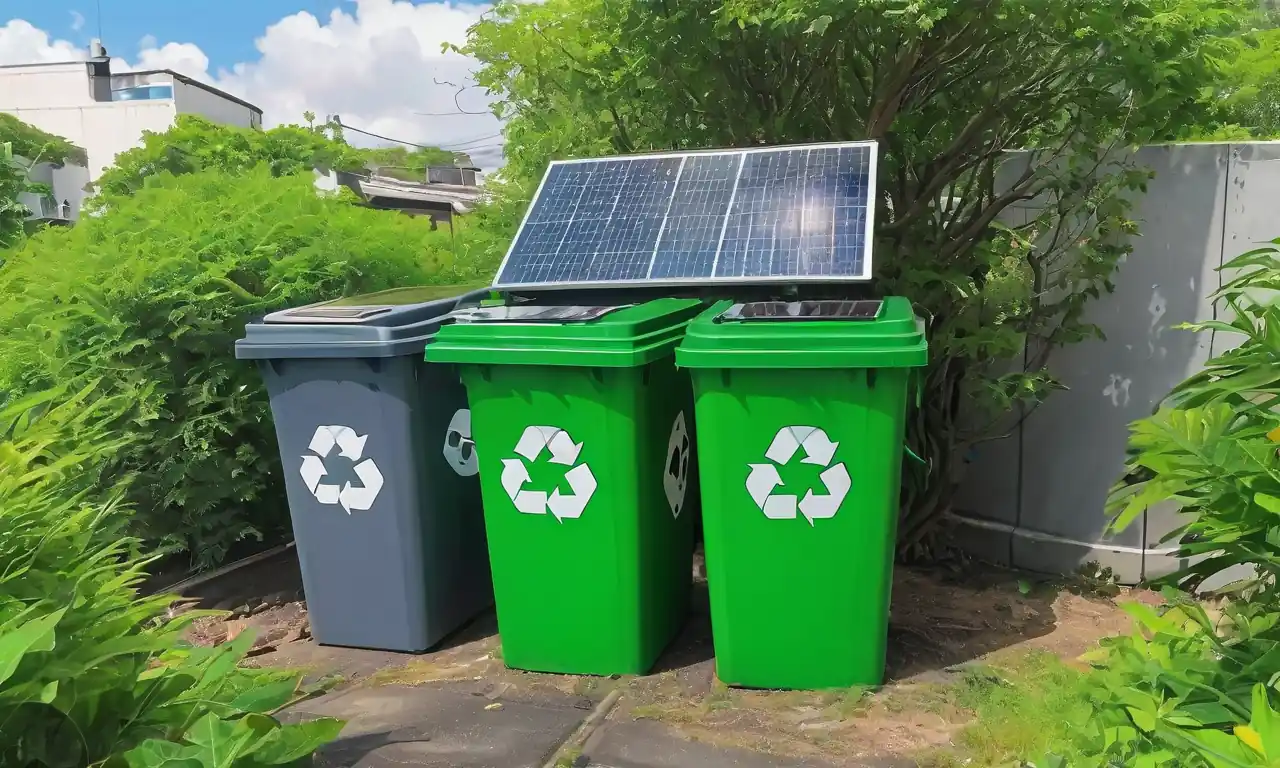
760 215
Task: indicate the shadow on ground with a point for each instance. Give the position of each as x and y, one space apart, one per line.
941 621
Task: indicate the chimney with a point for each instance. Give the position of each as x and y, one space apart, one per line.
99 66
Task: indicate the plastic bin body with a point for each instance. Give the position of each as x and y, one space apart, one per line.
603 589
800 585
410 568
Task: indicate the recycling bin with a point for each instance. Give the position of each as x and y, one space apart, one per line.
586 426
380 467
801 410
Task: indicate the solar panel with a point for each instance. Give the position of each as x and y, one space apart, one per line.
866 309
766 215
532 314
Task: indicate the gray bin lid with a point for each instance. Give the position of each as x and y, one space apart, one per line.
385 324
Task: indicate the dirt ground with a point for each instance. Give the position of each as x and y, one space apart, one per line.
942 622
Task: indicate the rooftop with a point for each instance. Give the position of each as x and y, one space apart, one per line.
178 76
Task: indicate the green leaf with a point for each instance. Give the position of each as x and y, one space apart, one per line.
294 742
819 25
36 635
49 692
266 698
223 741
1268 502
154 753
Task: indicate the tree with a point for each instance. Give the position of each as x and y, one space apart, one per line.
194 144
948 90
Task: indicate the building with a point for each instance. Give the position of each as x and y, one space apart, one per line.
441 192
105 113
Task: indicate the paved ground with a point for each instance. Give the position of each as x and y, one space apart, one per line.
446 726
473 726
459 706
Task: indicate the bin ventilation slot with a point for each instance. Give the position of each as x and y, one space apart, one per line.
804 310
527 314
329 313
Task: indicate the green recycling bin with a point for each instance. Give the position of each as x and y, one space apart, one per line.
583 428
800 411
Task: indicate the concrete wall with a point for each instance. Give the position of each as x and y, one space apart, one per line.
194 100
1035 500
57 98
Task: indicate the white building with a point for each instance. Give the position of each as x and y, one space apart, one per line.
84 103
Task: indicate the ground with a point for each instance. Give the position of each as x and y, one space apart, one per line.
957 637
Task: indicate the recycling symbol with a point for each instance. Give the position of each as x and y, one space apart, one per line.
459 448
675 476
515 473
818 449
350 446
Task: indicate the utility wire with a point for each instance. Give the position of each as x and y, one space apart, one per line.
460 145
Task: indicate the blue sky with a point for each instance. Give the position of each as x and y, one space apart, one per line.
224 29
376 63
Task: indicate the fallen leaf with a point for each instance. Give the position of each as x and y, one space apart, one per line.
493 706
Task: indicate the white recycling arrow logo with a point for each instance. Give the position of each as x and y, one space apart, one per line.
515 473
350 446
675 475
819 450
459 448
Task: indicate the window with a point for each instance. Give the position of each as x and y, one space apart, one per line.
143 93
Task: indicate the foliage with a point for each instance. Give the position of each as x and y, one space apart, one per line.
91 673
1253 96
12 212
152 295
37 145
1211 448
194 144
1185 689
19 140
1000 250
1189 689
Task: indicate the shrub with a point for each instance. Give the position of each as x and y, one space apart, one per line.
151 295
1189 689
91 673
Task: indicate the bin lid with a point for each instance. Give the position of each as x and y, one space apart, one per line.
806 334
384 324
619 336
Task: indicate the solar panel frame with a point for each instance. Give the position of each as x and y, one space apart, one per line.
649 280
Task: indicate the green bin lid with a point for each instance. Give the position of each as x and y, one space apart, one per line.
619 336
806 334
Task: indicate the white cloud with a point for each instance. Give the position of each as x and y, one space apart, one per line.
377 65
77 21
21 43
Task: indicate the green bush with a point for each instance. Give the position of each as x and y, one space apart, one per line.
91 673
1187 688
151 295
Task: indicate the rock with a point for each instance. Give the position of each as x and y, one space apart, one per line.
581 761
825 725
276 599
297 632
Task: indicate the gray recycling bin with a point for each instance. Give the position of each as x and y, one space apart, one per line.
379 465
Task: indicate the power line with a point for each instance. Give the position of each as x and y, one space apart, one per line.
451 114
458 146
472 141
